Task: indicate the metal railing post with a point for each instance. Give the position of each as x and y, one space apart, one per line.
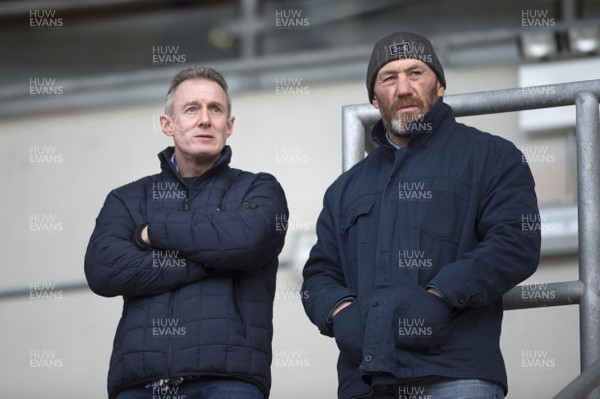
588 176
582 385
354 120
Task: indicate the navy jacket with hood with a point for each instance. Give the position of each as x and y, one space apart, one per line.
200 301
451 211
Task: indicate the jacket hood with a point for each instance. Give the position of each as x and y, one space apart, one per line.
420 130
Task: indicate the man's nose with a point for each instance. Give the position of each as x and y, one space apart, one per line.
403 86
204 117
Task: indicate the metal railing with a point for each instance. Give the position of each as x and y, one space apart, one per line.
357 121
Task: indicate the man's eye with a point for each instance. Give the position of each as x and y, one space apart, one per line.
190 110
215 109
389 78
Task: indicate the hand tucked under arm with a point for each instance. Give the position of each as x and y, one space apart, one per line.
116 265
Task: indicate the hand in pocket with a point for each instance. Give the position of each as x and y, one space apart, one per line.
424 325
349 332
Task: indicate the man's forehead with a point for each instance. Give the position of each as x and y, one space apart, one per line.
200 89
402 64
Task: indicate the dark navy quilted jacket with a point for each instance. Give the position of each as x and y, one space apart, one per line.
200 301
455 210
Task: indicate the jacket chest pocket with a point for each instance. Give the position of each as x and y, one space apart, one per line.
445 214
356 227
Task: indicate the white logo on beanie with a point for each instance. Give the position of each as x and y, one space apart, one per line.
400 48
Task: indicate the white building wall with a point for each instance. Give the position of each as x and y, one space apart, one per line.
295 137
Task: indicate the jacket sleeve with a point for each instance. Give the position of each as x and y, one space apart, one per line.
245 238
508 224
115 265
324 285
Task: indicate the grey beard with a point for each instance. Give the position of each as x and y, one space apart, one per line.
397 127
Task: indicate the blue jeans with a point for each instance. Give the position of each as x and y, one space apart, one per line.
444 389
199 389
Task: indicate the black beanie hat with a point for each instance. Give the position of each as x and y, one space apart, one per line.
402 45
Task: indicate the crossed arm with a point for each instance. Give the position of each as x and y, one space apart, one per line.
240 239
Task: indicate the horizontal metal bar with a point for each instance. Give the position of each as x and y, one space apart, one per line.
30 293
359 118
536 295
161 76
559 229
521 99
520 297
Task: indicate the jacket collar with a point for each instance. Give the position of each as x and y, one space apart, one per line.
167 165
421 130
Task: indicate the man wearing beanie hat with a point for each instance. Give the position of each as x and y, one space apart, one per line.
418 242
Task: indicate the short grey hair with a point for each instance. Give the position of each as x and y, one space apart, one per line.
196 73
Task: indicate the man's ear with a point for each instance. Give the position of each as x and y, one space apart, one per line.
441 90
166 125
229 129
375 102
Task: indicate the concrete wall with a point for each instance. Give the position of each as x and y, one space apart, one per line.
57 344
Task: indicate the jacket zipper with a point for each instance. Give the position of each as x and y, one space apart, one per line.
238 305
186 207
169 355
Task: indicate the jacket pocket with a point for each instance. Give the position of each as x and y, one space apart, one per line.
425 324
352 216
349 332
446 211
355 226
237 303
